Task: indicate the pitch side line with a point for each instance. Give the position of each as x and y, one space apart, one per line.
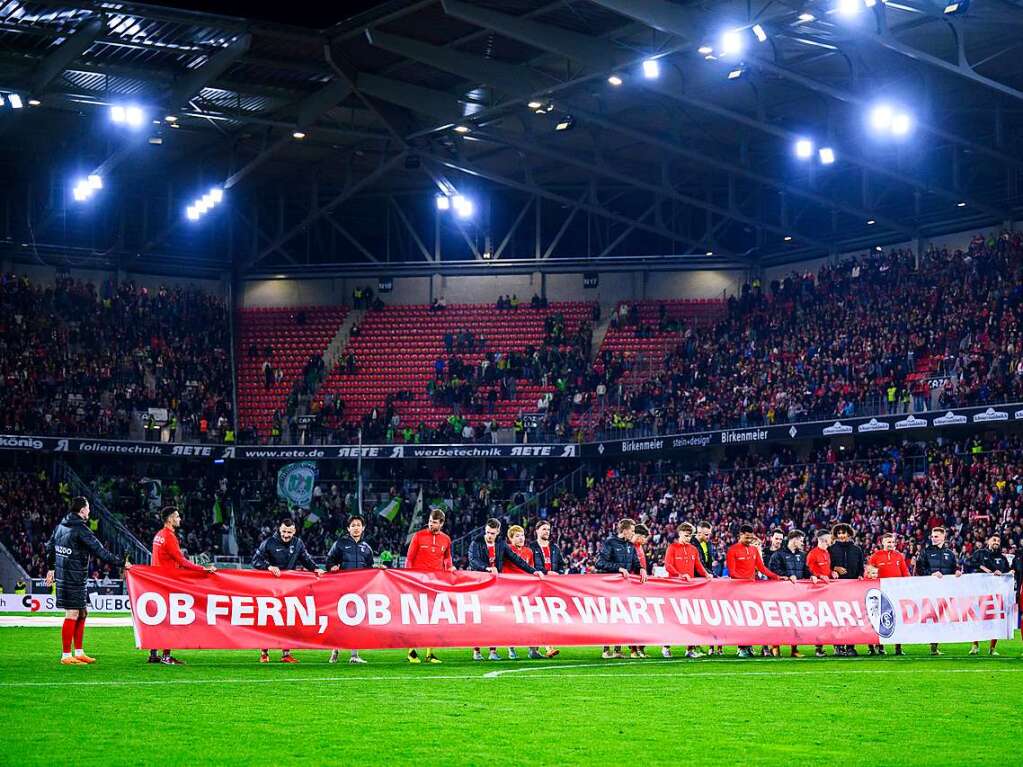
551 674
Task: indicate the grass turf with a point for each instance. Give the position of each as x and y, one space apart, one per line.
225 708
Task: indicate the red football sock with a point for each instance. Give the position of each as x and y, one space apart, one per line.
67 633
79 632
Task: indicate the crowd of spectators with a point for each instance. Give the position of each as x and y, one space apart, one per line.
843 341
972 489
77 360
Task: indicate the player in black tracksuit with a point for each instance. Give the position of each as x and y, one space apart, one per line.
789 562
487 554
989 559
938 560
350 552
67 556
547 558
846 560
618 555
283 551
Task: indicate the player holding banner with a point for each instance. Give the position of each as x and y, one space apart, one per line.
283 551
167 553
67 558
429 551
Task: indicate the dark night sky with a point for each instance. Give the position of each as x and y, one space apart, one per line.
313 15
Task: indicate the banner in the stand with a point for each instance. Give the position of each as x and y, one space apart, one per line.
372 609
643 448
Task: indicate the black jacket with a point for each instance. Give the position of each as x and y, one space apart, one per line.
934 559
349 554
1017 569
849 556
479 558
616 554
558 564
273 552
991 560
706 561
68 551
787 563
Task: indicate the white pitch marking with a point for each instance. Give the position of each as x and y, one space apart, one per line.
474 677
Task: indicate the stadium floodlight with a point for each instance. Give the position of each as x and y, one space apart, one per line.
85 187
462 129
871 222
192 213
902 123
881 117
736 73
615 80
957 8
709 253
732 43
960 204
761 35
117 114
15 101
216 194
464 207
787 238
534 104
566 123
443 202
651 69
806 18
171 118
826 155
134 116
804 148
298 135
34 102
704 50
870 3
849 8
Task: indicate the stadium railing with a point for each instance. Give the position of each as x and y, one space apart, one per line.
119 538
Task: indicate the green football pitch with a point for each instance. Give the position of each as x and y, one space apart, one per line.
225 708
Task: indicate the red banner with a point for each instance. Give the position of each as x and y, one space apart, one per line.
375 609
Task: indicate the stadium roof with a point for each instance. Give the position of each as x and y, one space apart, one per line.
415 98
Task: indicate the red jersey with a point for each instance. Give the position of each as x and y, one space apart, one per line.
683 559
167 553
429 552
818 562
889 564
524 552
546 551
744 562
640 555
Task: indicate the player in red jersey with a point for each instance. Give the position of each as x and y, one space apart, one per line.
429 551
517 546
682 560
640 535
167 553
744 562
888 563
818 562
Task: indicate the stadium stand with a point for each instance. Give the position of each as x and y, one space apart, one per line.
78 360
274 345
399 350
